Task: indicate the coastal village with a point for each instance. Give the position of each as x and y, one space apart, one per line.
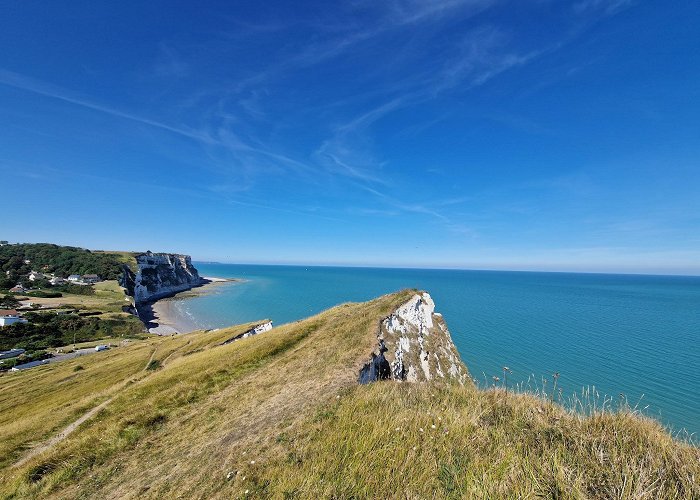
49 312
10 317
58 302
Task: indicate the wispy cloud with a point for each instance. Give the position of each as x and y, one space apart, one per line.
169 63
608 7
35 86
221 137
387 17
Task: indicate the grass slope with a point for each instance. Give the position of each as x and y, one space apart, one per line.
280 415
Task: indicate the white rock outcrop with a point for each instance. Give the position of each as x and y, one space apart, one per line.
262 327
417 345
162 274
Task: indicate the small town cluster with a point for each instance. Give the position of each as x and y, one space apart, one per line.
12 316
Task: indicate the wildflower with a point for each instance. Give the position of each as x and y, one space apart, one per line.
421 429
432 426
252 462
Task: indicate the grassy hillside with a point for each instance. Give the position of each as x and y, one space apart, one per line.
128 258
281 415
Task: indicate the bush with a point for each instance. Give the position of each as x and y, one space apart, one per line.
154 364
44 294
76 289
9 302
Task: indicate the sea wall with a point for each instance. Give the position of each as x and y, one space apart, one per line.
414 345
160 275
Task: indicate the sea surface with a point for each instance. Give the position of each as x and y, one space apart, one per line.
631 335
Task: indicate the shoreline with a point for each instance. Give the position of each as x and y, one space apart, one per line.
160 316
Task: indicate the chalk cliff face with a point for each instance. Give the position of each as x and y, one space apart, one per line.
160 275
414 345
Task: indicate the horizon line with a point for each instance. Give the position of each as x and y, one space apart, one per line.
456 268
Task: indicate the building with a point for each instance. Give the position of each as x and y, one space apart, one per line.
91 278
74 278
12 353
57 281
10 317
17 289
33 276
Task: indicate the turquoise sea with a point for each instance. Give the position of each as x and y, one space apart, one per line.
622 334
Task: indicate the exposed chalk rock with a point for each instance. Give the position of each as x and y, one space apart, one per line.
417 344
262 327
160 275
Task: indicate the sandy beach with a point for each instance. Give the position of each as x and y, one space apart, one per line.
162 318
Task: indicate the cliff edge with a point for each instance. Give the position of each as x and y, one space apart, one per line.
279 413
414 345
159 275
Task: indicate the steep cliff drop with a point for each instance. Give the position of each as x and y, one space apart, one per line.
160 275
414 345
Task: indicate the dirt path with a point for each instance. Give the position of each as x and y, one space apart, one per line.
150 359
89 414
61 435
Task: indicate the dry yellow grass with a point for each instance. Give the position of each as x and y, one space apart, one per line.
37 403
280 415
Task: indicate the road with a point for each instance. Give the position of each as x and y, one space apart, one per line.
57 358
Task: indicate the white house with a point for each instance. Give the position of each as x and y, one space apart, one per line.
74 278
10 317
91 278
33 276
57 280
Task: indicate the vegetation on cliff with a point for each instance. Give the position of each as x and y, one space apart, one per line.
61 260
281 415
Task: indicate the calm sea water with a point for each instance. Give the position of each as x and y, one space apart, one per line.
624 334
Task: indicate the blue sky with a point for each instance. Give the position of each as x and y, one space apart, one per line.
485 134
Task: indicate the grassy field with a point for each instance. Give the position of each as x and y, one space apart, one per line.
280 415
109 298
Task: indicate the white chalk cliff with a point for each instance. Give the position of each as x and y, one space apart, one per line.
415 345
160 275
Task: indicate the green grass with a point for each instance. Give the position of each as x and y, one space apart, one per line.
280 415
128 258
109 297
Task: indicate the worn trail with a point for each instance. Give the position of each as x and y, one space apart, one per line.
68 430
